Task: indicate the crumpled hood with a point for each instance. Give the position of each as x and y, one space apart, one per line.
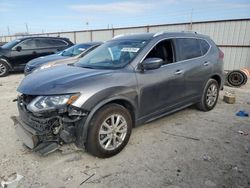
45 59
61 80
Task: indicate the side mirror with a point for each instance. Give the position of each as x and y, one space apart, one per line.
151 63
18 48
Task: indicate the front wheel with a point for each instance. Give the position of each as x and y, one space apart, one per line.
109 131
4 69
210 96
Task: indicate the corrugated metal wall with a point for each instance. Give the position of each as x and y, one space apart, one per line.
232 36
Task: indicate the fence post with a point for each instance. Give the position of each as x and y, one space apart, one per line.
91 35
74 37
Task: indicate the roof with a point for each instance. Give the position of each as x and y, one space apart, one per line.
149 36
90 43
31 37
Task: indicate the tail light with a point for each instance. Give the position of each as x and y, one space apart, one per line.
221 54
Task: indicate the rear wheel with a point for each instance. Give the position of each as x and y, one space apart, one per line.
109 131
4 69
210 96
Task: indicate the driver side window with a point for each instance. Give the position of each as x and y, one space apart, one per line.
163 50
28 44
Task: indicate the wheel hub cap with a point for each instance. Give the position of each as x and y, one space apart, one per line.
112 132
2 69
211 95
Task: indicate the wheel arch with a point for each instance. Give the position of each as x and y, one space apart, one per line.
218 78
84 126
6 60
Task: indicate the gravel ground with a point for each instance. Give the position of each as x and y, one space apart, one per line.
188 149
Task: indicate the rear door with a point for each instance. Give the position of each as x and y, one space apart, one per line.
47 46
195 62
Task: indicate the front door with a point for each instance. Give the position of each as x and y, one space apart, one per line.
27 53
163 88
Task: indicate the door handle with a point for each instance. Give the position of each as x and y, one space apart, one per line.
206 63
178 72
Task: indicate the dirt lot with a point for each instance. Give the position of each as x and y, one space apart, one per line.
159 154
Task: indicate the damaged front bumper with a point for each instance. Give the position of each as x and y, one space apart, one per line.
45 133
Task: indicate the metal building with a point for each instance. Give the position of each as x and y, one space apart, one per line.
232 36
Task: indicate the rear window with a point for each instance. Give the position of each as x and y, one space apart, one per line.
189 48
204 46
44 43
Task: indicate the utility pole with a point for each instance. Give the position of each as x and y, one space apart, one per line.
191 19
27 28
8 28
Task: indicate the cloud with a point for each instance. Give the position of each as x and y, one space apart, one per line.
4 7
128 7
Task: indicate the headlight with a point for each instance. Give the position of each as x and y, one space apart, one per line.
43 103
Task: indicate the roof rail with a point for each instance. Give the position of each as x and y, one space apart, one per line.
125 34
187 31
158 33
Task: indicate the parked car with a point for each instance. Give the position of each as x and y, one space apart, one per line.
127 81
70 55
15 54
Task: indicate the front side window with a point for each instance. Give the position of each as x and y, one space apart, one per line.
163 50
189 48
112 54
28 44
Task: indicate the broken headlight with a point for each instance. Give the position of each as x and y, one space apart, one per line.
44 103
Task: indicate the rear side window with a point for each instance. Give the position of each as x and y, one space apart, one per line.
189 48
45 43
204 46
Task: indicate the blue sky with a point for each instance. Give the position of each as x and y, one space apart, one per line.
69 15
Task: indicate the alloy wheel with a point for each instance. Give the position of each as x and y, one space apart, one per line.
212 93
112 132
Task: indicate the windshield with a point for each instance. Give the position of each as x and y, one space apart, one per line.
11 44
75 50
112 54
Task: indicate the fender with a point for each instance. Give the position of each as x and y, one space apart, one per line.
83 126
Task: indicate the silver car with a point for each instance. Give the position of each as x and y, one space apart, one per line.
127 81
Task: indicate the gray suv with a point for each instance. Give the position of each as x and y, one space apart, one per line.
127 81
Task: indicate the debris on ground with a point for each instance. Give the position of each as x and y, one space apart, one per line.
242 113
68 178
11 181
242 132
237 169
247 149
69 148
187 137
87 178
206 157
229 97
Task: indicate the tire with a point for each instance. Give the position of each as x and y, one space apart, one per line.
236 78
105 140
212 88
4 68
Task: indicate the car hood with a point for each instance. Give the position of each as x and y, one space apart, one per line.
61 80
45 59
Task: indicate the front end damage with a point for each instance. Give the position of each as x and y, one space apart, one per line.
44 132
